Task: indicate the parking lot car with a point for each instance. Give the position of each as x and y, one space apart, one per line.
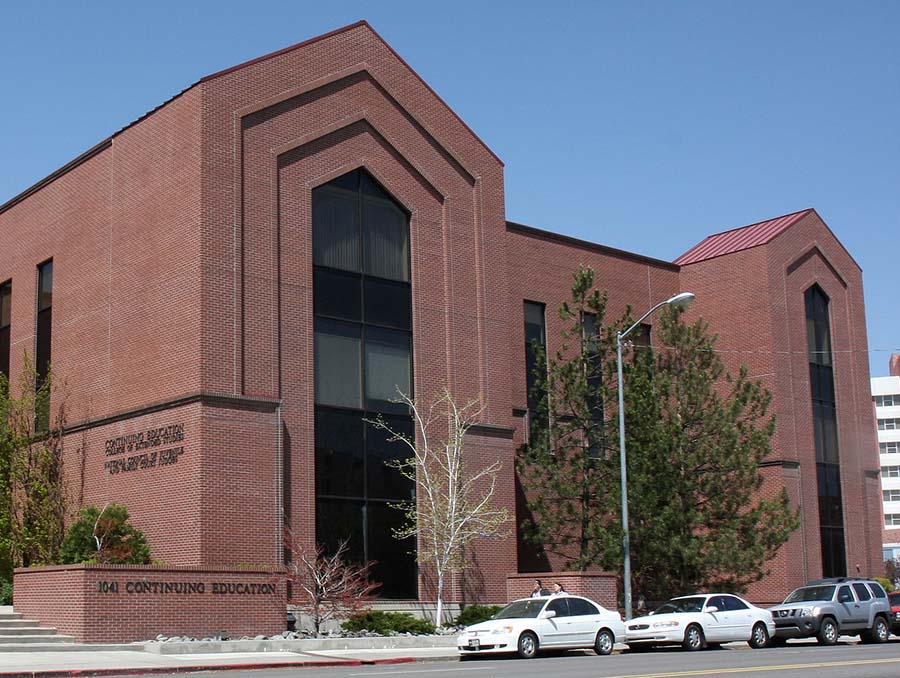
894 600
696 621
529 625
827 608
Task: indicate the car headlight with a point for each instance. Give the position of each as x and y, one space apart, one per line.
809 612
502 629
666 625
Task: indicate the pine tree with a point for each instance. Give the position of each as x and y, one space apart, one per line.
696 437
695 440
569 467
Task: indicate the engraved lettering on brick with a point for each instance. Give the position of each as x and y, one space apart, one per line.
140 449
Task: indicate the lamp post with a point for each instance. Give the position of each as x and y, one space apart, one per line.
681 300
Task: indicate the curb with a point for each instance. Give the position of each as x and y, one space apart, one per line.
310 663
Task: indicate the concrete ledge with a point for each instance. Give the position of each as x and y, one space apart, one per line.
305 645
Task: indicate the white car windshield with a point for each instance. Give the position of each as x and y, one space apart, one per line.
521 608
681 605
809 593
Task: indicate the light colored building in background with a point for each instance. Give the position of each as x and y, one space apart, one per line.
886 394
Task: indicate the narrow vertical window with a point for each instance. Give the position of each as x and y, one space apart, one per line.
535 362
824 413
363 355
43 343
593 366
5 321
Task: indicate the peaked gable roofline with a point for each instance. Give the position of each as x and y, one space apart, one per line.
106 142
750 236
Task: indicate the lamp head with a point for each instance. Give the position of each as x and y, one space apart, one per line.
681 300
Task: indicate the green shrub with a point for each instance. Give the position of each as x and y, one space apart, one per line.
473 614
386 623
6 592
119 542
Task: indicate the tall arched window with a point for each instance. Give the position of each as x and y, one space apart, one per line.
824 410
363 355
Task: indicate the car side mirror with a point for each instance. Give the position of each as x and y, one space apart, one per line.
845 598
712 608
547 614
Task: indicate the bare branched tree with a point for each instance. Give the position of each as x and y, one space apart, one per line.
325 585
454 497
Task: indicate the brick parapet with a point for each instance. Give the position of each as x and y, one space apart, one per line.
126 603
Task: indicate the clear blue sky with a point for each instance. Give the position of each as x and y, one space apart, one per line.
640 125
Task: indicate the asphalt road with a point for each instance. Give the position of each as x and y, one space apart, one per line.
845 660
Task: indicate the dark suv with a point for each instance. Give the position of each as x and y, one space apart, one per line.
827 608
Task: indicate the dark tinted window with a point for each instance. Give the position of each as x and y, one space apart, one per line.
384 480
388 369
339 454
395 561
338 295
363 355
560 606
844 595
732 603
580 606
718 602
338 367
535 335
43 340
878 591
5 326
825 434
862 592
388 303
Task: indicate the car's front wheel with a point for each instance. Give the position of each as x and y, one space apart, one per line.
528 645
828 632
759 637
603 643
693 638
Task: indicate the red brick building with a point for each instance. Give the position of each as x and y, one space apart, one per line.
232 282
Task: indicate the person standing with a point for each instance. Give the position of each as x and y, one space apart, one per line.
539 590
559 590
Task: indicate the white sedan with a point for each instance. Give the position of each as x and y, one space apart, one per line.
700 620
531 624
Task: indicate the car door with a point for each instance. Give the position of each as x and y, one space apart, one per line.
846 608
740 618
558 631
715 623
863 604
585 621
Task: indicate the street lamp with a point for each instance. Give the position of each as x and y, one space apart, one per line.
681 300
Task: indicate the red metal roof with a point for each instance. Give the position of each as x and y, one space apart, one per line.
738 239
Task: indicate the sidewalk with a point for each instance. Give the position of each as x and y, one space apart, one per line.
51 664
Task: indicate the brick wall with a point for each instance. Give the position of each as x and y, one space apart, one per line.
125 603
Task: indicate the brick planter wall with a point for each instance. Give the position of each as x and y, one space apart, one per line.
601 587
124 603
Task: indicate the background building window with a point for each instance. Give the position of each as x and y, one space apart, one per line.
891 495
890 471
892 519
5 323
824 414
363 355
888 424
887 400
889 448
